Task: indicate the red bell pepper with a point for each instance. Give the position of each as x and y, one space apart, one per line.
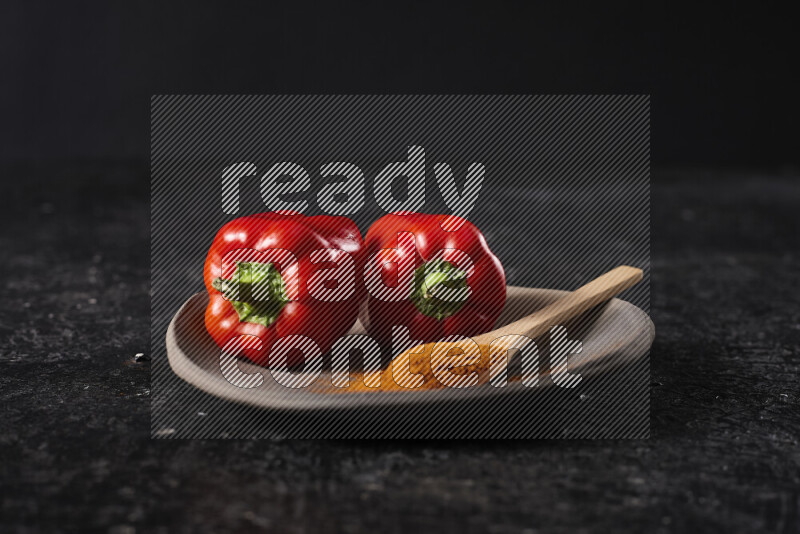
273 275
445 295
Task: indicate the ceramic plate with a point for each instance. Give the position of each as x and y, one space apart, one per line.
613 335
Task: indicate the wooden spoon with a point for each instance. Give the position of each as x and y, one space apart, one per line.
434 366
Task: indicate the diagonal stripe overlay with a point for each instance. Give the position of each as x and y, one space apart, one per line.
565 198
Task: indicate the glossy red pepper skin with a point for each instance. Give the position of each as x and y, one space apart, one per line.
322 321
487 283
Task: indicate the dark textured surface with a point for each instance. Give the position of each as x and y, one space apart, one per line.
74 431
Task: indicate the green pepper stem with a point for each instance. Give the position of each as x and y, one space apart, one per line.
256 291
451 282
432 280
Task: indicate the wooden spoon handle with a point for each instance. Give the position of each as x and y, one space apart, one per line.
582 299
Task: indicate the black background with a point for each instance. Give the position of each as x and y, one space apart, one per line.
75 404
77 76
